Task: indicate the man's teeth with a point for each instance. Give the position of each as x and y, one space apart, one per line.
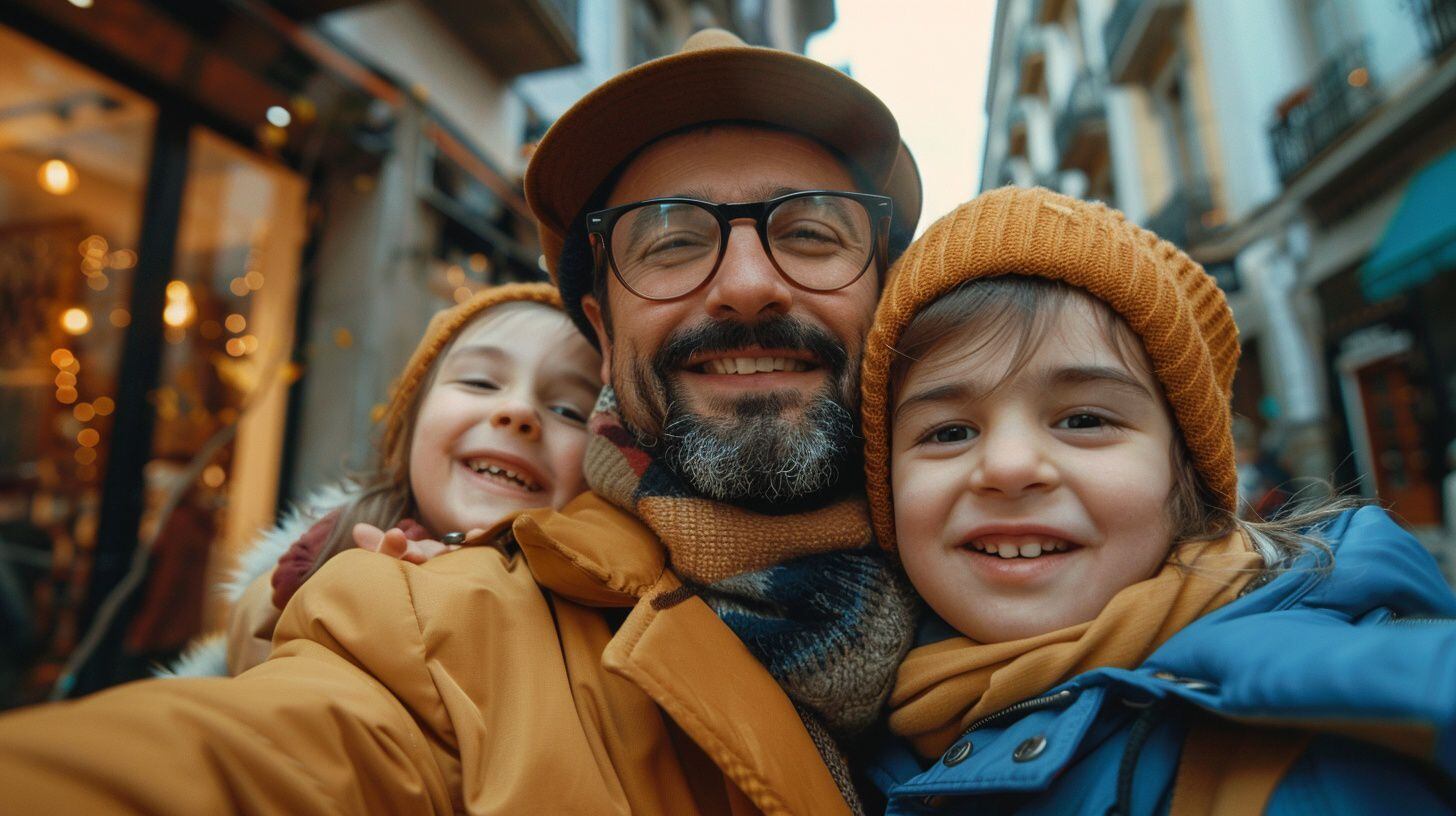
486 466
1020 549
753 365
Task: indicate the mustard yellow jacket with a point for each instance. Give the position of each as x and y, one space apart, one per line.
530 680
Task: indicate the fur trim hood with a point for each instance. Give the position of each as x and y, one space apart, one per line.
206 655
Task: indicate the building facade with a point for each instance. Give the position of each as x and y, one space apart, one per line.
223 227
1302 151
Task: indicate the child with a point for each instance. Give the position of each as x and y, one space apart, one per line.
1046 402
488 418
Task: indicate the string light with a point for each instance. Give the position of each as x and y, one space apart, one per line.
76 321
104 406
235 323
57 177
278 116
88 438
120 318
214 475
84 412
60 358
180 310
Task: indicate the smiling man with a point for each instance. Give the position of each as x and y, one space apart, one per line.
741 339
712 627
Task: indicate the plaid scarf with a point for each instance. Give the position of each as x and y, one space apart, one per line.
822 607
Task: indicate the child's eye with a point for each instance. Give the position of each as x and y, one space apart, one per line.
484 385
1082 422
570 413
950 433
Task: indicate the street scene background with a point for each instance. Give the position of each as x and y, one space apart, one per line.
224 225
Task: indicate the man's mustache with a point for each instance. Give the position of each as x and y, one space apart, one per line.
776 333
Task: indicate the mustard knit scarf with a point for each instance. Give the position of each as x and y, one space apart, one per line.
944 687
826 611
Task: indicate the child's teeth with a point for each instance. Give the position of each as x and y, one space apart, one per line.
1030 549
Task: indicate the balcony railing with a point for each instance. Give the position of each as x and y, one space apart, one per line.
1084 109
1437 19
1340 93
1184 220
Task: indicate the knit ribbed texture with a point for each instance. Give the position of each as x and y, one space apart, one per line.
442 329
1173 306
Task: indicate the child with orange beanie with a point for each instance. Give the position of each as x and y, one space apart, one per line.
1049 450
487 419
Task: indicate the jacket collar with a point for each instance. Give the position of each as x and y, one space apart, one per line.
683 656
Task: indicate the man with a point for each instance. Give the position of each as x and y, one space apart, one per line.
705 632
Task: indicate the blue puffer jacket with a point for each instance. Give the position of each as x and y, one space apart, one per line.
1361 654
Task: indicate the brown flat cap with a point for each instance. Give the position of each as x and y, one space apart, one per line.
714 77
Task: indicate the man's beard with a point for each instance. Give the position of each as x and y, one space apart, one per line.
749 453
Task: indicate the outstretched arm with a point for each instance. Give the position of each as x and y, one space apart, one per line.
344 718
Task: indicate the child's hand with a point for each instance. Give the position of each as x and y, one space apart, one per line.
394 544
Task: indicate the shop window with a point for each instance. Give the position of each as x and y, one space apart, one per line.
221 398
74 152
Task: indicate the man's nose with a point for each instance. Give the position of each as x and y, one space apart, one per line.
515 416
747 286
1011 463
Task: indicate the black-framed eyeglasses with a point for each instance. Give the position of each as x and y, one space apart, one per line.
667 248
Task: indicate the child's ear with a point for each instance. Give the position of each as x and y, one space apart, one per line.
593 311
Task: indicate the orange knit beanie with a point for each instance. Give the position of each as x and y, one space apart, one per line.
1164 296
443 328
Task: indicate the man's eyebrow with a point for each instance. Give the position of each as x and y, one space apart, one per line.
759 193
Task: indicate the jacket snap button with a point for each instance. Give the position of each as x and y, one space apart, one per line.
958 753
1030 749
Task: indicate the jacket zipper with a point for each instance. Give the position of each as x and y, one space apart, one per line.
1034 704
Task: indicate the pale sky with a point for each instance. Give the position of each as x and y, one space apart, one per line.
927 59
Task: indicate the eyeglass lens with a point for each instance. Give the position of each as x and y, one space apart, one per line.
664 250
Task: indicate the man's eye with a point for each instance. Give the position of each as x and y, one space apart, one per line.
951 433
1081 422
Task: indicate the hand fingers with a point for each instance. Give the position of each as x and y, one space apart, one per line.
395 544
367 537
